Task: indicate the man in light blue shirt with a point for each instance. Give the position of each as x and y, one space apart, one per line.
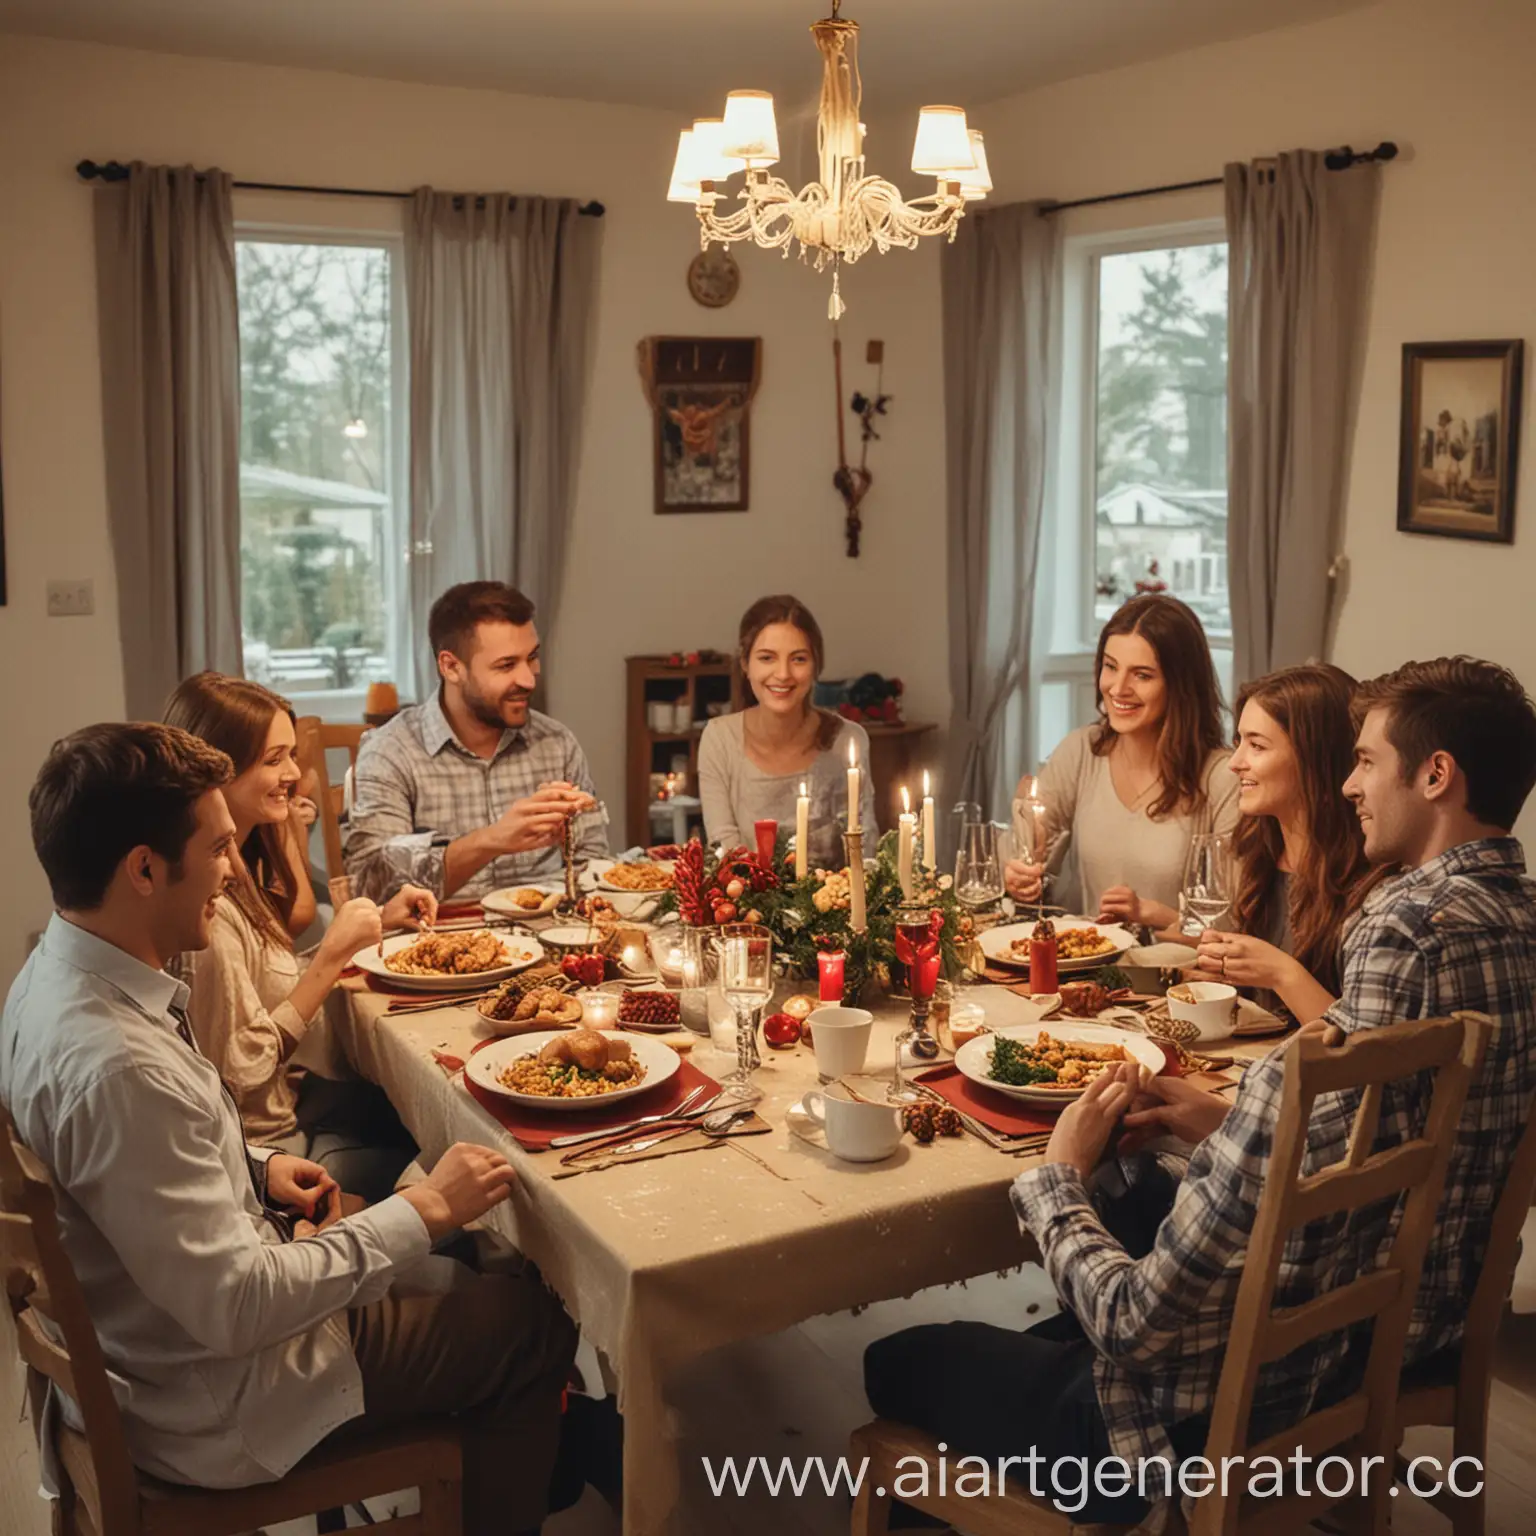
234 1348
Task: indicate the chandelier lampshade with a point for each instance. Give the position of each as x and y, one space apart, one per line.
846 211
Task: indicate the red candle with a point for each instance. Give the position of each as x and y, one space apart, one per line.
1042 959
767 836
829 971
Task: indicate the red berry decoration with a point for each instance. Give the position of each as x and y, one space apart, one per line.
734 889
637 1007
781 1030
587 969
725 912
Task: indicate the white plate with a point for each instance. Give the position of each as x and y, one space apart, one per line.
660 1062
975 1056
501 901
995 941
522 949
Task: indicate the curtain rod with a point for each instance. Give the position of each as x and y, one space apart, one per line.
113 170
1335 160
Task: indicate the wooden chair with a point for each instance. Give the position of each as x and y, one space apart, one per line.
316 739
1363 1424
103 1493
1451 1389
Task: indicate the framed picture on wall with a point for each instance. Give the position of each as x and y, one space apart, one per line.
1460 438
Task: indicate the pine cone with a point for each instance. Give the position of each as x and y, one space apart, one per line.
947 1121
918 1121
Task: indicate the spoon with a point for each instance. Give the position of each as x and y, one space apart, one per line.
720 1121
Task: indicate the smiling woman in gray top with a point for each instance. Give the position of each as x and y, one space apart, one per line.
752 764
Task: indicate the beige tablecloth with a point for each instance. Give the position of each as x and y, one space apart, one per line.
663 1260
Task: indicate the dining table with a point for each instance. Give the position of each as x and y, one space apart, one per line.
663 1260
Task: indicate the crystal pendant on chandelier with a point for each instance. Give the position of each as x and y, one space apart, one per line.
838 218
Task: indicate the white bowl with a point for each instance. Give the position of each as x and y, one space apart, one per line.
1211 1006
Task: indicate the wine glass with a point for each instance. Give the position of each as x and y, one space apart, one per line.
746 979
1206 894
979 864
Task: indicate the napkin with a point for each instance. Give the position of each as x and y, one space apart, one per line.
534 1129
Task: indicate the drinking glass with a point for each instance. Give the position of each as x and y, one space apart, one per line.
1206 894
979 864
916 935
746 979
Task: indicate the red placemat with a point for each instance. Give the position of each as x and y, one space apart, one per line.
534 1129
997 1111
454 911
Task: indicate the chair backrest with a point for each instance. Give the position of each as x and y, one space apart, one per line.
1365 1421
54 1332
315 739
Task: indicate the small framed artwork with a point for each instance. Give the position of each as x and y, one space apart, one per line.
701 389
1460 437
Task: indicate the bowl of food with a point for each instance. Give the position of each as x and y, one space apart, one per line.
632 888
518 1010
657 1010
467 960
1042 1067
573 939
1211 1006
571 1069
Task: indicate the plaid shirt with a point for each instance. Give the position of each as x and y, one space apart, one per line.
1458 933
417 788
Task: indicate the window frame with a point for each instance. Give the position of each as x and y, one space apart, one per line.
378 229
1065 632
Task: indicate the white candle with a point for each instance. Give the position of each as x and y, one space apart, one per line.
856 918
1036 808
853 787
930 843
908 835
802 834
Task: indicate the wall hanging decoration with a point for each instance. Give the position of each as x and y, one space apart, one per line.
701 389
853 480
1460 437
713 277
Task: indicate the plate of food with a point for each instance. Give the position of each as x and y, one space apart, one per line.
571 1069
523 901
1051 1065
463 961
632 887
1080 945
516 1009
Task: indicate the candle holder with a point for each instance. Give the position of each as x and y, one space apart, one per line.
853 850
567 903
917 930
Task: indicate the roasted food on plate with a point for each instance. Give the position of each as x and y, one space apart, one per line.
449 954
1051 1063
582 1064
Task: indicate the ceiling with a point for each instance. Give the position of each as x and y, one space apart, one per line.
682 55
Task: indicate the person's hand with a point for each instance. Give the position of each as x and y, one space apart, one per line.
1083 1128
467 1181
409 907
357 924
1172 1106
1120 904
298 1185
1024 881
303 810
337 1205
577 801
538 820
1244 961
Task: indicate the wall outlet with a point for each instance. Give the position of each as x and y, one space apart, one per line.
71 599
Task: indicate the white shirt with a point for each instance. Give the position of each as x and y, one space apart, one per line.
228 1347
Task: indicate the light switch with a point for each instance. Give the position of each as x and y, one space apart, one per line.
71 599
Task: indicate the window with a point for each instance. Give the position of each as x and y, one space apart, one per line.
321 466
1139 501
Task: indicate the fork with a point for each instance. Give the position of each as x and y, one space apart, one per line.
635 1125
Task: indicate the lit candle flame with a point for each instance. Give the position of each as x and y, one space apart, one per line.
802 788
906 800
853 754
927 788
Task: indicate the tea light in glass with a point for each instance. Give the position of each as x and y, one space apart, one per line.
599 1009
668 951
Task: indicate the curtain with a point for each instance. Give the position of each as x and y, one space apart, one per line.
1001 289
170 393
1300 250
502 294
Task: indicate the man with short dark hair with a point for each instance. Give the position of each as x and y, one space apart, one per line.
234 1347
471 789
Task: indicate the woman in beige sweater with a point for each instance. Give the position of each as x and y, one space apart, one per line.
252 1003
1134 788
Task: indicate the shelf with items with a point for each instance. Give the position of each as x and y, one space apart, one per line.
667 706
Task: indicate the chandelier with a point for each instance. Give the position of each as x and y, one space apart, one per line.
838 218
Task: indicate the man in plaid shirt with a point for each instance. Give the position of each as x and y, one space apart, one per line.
470 790
1445 759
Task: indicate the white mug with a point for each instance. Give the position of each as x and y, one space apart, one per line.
840 1038
857 1131
1211 1006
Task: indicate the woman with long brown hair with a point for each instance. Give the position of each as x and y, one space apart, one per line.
1299 852
1137 785
752 763
251 1003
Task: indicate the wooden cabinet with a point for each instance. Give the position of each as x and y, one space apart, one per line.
680 698
897 755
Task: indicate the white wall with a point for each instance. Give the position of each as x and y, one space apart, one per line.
1453 87
637 582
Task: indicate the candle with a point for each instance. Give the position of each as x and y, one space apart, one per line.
829 973
802 834
908 832
767 832
853 787
930 842
1036 808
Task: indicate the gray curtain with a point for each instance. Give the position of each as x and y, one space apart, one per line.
502 299
170 394
1300 252
1001 289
